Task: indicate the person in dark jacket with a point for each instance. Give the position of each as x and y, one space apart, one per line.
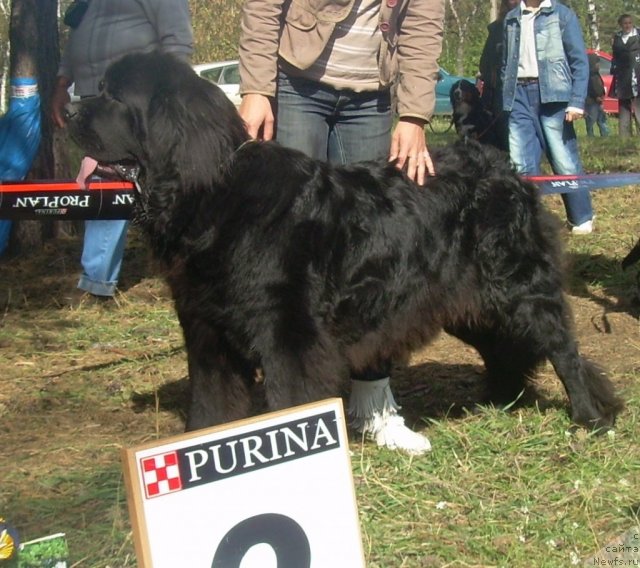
105 31
625 69
489 67
593 109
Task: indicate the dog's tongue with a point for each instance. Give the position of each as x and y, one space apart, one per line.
90 167
87 167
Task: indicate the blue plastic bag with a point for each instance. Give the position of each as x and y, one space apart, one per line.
19 138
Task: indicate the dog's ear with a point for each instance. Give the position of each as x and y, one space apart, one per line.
193 128
453 94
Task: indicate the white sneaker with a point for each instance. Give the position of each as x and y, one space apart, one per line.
585 228
373 412
396 436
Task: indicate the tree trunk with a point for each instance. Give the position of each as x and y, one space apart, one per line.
35 53
592 18
462 28
493 14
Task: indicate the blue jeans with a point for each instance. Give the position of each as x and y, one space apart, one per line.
339 126
536 129
594 114
102 253
5 233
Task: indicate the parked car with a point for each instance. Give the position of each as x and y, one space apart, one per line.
610 104
227 76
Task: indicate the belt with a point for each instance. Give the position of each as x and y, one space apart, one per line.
527 80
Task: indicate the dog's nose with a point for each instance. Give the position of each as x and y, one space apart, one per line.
69 111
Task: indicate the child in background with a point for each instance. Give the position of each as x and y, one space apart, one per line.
593 109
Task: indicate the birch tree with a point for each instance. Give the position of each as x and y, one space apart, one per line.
592 20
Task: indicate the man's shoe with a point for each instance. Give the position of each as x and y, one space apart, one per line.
585 228
81 298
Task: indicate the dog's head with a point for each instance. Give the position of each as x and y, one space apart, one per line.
463 91
154 110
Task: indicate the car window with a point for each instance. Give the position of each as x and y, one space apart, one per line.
605 66
212 74
231 75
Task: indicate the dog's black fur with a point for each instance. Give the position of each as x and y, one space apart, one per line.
470 118
632 257
305 270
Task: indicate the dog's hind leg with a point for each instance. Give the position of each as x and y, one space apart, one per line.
594 403
511 356
220 381
539 330
508 363
544 321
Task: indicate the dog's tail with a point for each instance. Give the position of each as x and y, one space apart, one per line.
632 257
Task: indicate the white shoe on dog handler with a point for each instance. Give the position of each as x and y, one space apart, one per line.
374 413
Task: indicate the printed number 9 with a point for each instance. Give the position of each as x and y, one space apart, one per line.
283 534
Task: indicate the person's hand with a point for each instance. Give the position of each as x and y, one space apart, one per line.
59 98
572 115
409 149
257 114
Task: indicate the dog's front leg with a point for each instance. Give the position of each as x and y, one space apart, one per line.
300 369
219 380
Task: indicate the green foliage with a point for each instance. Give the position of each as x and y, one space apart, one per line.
216 29
216 26
48 552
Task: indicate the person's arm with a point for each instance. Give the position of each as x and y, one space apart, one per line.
59 98
489 65
258 51
172 21
576 54
419 46
60 94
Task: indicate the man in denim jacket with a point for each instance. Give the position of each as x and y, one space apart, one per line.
545 74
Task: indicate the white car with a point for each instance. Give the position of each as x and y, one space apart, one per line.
225 74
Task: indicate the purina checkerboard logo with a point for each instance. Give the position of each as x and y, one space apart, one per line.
161 474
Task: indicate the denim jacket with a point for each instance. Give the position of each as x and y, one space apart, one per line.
563 67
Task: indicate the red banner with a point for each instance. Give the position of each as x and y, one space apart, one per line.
63 199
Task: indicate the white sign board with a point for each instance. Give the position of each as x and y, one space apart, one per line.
274 491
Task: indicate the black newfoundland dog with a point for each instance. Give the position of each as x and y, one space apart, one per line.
304 270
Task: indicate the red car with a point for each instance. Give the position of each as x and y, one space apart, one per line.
610 103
